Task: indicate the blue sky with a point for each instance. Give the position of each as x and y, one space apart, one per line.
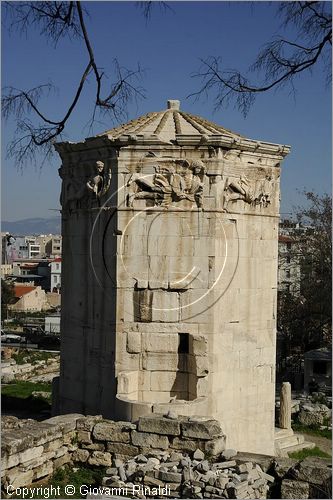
169 47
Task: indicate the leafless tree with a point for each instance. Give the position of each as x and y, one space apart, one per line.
35 130
278 63
148 5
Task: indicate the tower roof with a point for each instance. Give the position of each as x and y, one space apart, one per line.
170 123
175 127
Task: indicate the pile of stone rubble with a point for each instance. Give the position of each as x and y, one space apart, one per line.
176 475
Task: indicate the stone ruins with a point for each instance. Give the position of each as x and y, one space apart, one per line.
170 226
158 457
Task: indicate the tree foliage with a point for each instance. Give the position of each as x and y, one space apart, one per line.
305 317
7 296
278 63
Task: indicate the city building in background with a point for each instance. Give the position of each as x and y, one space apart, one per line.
29 247
55 266
28 298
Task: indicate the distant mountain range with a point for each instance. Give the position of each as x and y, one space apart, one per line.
33 226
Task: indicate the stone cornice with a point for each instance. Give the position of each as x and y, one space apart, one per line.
224 141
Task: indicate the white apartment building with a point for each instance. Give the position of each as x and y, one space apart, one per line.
56 275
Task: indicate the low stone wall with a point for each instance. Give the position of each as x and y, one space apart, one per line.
36 449
33 450
186 455
39 370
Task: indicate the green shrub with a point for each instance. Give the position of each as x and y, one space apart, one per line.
20 357
29 356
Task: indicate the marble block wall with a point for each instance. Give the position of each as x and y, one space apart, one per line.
169 279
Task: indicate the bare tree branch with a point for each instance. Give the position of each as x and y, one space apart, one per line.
56 20
280 61
20 102
147 7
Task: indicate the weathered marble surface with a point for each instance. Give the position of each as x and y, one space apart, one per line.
170 274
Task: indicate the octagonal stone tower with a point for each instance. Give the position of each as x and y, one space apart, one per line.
170 227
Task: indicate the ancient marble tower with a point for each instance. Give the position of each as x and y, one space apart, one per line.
170 226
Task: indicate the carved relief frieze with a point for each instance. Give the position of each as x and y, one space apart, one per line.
80 191
255 192
99 182
178 182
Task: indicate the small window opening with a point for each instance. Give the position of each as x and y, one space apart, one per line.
183 344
